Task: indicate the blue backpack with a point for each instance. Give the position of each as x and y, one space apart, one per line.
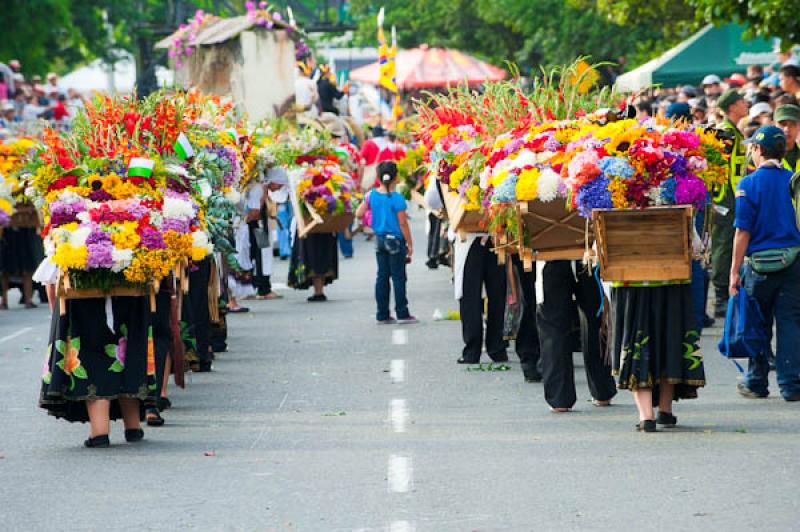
745 334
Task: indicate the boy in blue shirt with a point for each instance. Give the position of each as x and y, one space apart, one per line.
765 220
393 244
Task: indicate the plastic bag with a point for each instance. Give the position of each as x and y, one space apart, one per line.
515 303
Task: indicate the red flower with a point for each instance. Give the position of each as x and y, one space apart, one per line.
63 182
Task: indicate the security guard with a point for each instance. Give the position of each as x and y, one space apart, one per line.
788 119
735 108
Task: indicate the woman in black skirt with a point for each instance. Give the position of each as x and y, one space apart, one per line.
656 348
315 262
20 254
101 366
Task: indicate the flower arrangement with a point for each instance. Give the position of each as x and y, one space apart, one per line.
6 201
120 205
326 188
183 40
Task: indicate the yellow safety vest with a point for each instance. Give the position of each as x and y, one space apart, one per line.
796 165
737 163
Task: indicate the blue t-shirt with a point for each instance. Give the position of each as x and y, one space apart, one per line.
384 212
764 209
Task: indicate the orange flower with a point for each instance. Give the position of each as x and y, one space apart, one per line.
151 353
71 360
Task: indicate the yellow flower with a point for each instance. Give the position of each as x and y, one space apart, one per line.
67 257
5 206
498 178
94 178
440 132
528 185
111 181
457 177
473 198
617 187
199 254
125 236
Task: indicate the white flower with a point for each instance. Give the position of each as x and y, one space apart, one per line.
176 169
178 208
78 237
200 240
548 184
525 158
233 196
122 259
83 217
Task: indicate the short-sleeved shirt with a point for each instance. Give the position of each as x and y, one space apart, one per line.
384 212
764 209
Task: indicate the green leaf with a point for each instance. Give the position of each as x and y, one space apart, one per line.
123 329
60 364
76 343
152 387
111 350
116 367
71 383
61 346
47 377
80 373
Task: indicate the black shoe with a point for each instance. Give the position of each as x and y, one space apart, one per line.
744 391
721 306
462 360
98 442
648 425
153 418
163 403
499 358
666 419
432 264
708 321
792 398
134 435
317 298
532 376
204 367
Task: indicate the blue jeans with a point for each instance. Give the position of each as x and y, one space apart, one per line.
284 238
345 244
778 296
390 253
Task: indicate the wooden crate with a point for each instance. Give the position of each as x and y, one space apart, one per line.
65 291
651 244
25 216
461 220
315 223
555 232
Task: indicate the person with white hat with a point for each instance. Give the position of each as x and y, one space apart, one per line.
761 112
711 85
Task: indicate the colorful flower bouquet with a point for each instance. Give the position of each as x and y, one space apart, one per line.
119 206
326 197
6 201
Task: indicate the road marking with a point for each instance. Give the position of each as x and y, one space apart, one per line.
397 371
399 337
283 401
400 474
402 526
398 415
12 336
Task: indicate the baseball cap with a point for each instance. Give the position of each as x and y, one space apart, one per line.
787 112
759 109
711 79
689 90
728 98
679 110
767 137
736 79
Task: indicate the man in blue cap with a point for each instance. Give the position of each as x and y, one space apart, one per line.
765 250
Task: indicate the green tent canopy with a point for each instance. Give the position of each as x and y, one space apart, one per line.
713 50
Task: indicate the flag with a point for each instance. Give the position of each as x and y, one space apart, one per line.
386 59
140 167
183 148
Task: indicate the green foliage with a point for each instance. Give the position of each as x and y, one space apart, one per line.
527 32
765 18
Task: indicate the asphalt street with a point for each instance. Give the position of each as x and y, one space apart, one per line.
317 419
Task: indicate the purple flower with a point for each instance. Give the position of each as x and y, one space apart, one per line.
173 224
100 195
4 218
122 349
690 190
151 239
97 237
99 256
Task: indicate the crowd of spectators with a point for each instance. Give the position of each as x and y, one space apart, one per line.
25 100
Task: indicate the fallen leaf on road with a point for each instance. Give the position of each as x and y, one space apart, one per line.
210 453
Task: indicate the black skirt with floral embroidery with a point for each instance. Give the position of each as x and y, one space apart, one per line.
655 340
88 360
317 255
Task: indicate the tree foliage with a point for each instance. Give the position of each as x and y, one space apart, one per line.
766 18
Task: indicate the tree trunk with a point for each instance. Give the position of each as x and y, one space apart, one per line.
146 80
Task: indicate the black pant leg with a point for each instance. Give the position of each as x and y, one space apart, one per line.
495 280
433 236
553 320
527 342
471 303
198 297
598 374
